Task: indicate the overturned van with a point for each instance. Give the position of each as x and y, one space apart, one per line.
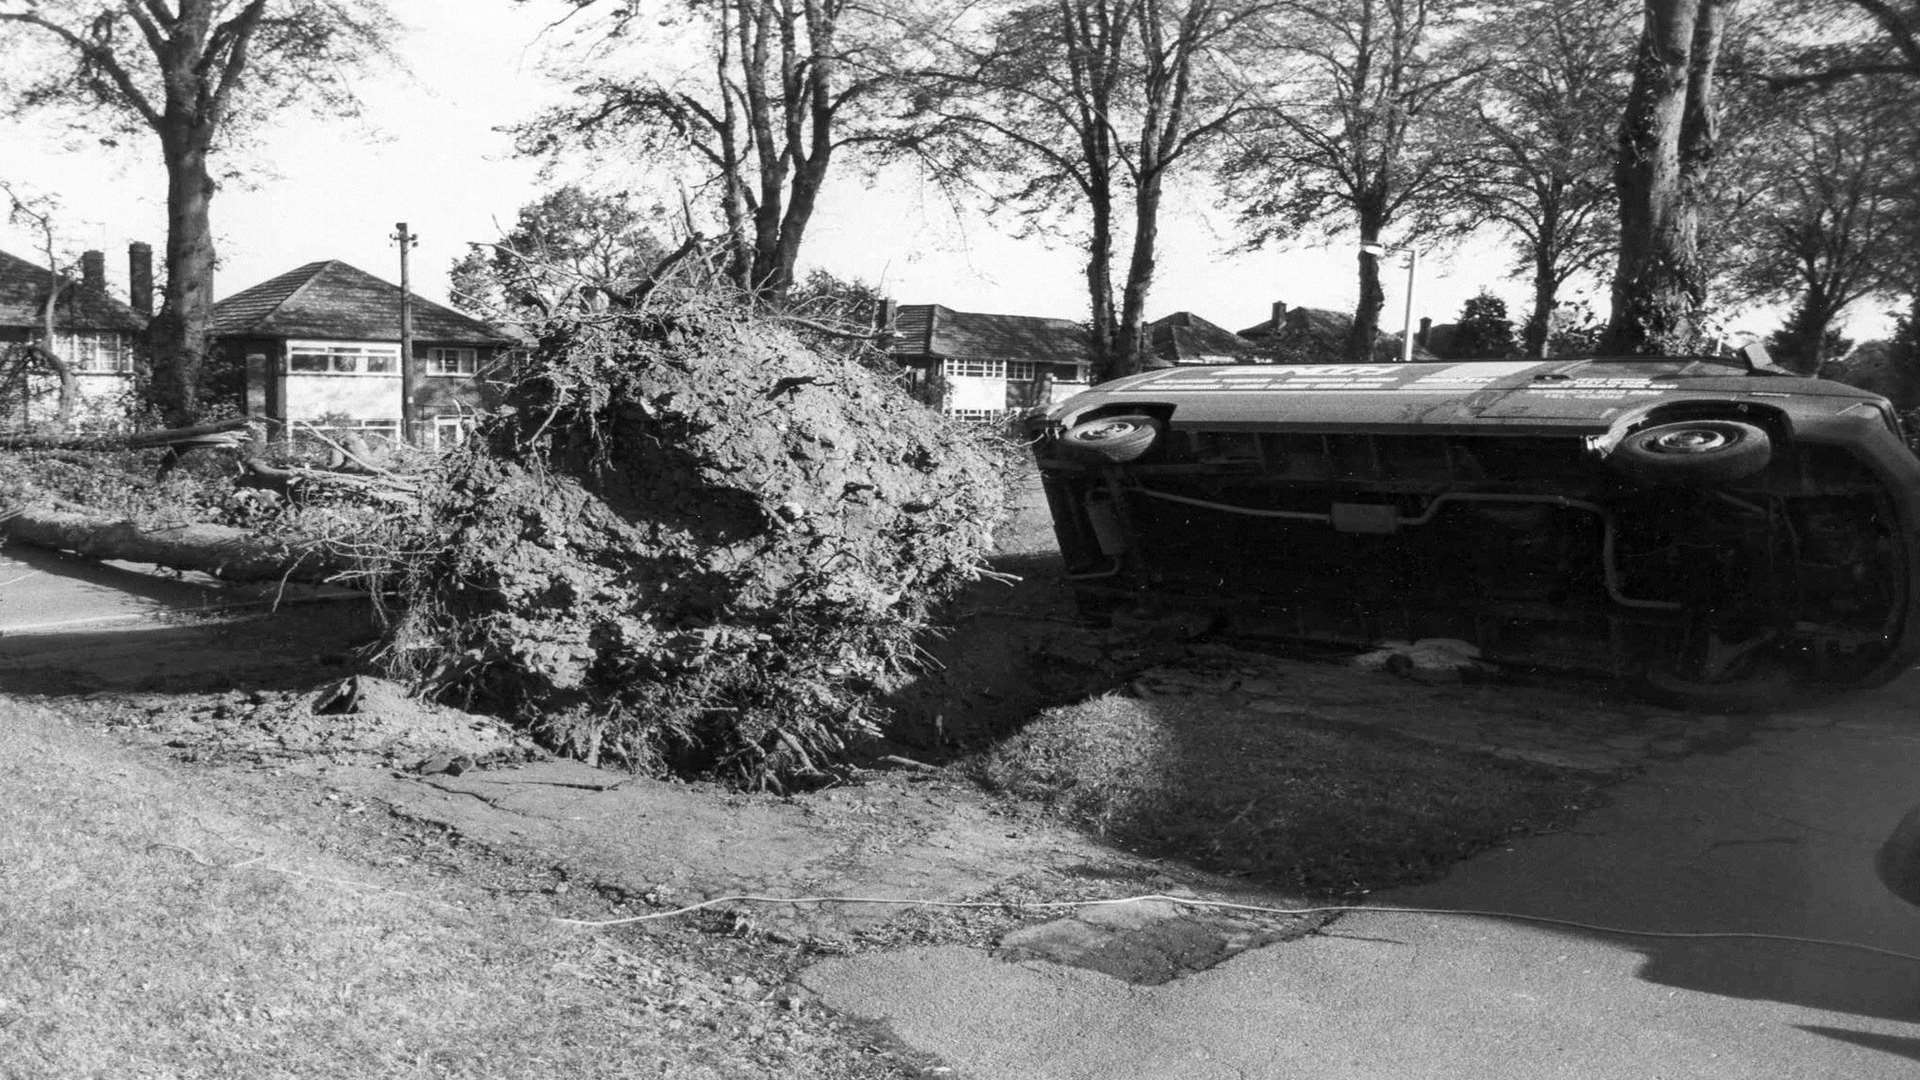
1701 526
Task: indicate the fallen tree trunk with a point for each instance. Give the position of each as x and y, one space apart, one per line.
221 550
228 432
385 487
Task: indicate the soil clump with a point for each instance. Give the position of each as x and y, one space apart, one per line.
691 542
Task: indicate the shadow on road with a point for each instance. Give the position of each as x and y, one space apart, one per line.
290 649
42 586
1897 1045
1775 838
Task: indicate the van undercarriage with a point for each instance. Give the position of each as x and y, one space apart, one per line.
1531 548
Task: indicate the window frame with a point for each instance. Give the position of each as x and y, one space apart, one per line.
67 345
466 363
954 367
461 424
979 416
353 359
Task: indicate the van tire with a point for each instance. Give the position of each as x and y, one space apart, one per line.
1693 452
1110 440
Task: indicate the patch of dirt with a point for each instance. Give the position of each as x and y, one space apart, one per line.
360 719
1311 777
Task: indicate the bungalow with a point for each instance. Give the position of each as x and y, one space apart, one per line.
1184 338
1304 335
985 367
320 345
92 332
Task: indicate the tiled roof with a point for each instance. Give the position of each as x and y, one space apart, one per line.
1319 336
1302 321
931 330
1186 338
23 296
332 300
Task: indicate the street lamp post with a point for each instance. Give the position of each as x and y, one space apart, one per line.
409 373
1413 267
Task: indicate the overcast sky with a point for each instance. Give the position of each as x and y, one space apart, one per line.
427 153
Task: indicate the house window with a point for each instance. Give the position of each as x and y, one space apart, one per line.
446 361
94 351
974 369
1020 370
334 358
337 427
450 431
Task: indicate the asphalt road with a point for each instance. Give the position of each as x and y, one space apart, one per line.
1773 838
72 625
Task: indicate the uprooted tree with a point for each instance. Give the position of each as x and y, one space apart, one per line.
691 541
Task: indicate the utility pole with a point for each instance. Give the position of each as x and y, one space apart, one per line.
1406 331
1413 270
409 377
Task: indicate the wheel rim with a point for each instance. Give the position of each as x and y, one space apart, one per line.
1693 440
1101 432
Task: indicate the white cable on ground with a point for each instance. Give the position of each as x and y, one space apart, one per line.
1189 901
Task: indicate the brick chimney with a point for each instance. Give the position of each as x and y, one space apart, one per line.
1279 315
140 276
885 313
93 271
1426 331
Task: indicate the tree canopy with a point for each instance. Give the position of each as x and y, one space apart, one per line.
773 91
197 75
567 245
1359 135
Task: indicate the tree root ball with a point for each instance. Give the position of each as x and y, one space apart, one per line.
691 542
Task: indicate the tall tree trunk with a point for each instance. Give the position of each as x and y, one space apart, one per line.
1103 333
1533 337
757 33
1546 279
736 200
178 337
1811 323
1366 313
50 346
1666 146
1129 346
793 230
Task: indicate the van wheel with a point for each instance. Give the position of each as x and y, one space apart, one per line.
1693 452
1110 440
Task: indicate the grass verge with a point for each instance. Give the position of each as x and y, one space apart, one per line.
1323 809
137 940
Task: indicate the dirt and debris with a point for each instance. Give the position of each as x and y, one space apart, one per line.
690 542
359 720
